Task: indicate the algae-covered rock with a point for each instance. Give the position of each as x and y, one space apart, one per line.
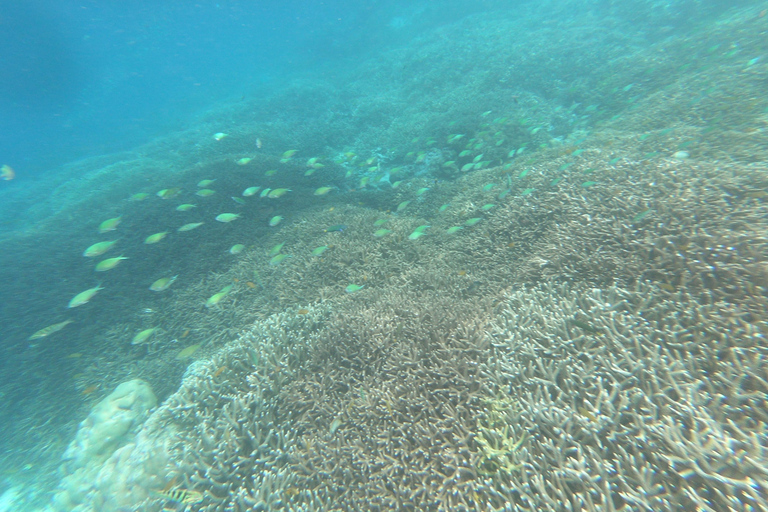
105 428
112 423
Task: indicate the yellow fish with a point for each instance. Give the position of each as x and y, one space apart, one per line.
215 299
153 239
110 224
109 263
187 352
163 284
7 173
189 227
168 193
322 191
42 333
278 192
98 249
244 161
143 336
204 183
83 297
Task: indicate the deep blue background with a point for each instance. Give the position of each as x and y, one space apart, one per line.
80 78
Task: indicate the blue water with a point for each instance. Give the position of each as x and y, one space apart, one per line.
85 78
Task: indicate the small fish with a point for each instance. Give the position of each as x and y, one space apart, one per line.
189 226
309 172
640 216
528 191
335 424
215 299
109 263
276 249
402 206
258 143
47 331
504 193
204 183
380 222
274 221
244 161
205 192
98 249
182 496
143 336
110 224
83 297
278 192
588 414
185 207
277 259
220 135
397 183
586 327
382 232
588 184
183 354
238 200
320 250
289 154
153 239
265 192
473 221
352 288
421 191
322 191
270 172
250 284
7 173
168 193
443 208
251 191
302 311
90 389
227 217
236 249
335 227
614 161
454 229
419 231
487 207
219 371
139 196
488 187
162 284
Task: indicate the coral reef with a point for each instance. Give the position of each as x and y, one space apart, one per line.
592 338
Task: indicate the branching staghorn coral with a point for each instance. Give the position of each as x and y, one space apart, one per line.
618 416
